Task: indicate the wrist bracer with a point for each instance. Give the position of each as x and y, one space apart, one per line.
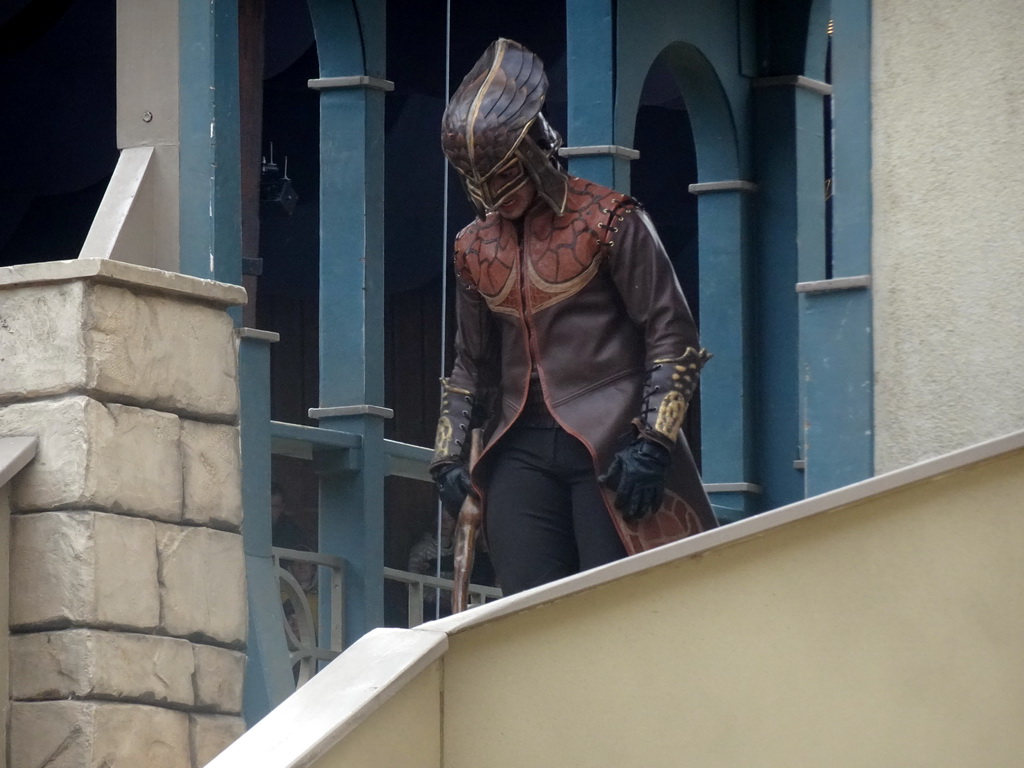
453 425
671 382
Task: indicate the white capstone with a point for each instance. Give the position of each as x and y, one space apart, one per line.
121 333
211 735
89 663
212 468
121 273
84 568
87 734
162 352
202 583
112 457
218 678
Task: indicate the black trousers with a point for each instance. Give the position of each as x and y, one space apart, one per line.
545 515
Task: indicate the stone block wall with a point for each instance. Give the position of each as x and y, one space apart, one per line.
128 605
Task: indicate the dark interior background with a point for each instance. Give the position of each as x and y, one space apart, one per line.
57 137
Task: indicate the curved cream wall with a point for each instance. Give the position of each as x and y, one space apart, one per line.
948 237
883 634
877 625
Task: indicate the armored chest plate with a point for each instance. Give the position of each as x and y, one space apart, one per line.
559 255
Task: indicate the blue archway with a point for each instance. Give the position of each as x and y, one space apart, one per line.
723 248
350 40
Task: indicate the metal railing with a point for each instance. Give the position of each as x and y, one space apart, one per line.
300 609
300 600
419 586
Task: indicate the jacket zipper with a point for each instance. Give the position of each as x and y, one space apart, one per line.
524 297
534 350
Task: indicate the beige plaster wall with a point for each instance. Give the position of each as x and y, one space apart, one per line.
405 732
948 238
887 633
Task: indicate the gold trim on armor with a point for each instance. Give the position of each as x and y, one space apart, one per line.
449 388
504 310
443 438
474 109
671 413
695 357
560 291
476 184
495 301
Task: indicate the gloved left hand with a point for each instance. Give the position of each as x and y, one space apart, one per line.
637 475
453 485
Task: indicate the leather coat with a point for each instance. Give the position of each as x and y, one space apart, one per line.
589 300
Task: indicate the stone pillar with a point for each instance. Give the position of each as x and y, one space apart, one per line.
128 603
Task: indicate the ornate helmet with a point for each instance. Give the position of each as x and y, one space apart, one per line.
493 124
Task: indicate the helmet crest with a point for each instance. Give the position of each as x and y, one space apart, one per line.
494 122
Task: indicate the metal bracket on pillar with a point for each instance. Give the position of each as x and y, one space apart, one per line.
353 81
732 502
733 488
795 81
834 284
327 462
351 410
253 333
735 185
333 461
600 150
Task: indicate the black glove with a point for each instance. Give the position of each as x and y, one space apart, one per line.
453 485
637 475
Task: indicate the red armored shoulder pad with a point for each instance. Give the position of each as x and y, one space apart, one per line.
599 206
594 200
468 247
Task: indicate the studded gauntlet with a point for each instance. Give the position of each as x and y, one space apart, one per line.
453 425
670 385
448 467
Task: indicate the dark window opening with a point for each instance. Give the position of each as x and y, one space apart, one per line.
827 114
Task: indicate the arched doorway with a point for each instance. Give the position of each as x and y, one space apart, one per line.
716 261
660 180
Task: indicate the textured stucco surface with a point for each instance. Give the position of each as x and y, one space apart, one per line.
948 237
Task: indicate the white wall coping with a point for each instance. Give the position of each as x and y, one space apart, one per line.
123 273
15 453
330 706
375 668
728 534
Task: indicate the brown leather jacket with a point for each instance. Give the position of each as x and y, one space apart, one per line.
590 301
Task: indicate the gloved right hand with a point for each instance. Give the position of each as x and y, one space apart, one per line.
453 485
637 475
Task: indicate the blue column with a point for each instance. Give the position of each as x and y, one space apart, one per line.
268 676
352 345
726 392
723 214
836 364
836 338
780 248
351 51
590 62
210 155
